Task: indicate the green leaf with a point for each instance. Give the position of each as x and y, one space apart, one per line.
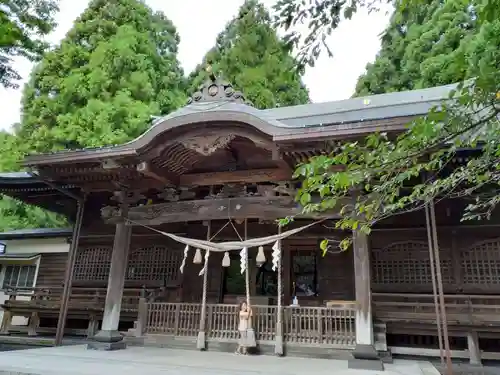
324 246
305 198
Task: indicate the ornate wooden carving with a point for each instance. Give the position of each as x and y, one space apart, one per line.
127 197
216 89
169 195
211 209
285 188
248 176
207 145
232 191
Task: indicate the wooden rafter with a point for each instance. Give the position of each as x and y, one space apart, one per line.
163 176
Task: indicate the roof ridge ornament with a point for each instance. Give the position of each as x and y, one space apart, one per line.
216 89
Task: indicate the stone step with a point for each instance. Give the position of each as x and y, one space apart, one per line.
266 348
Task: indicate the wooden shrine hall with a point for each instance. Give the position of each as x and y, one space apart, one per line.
218 160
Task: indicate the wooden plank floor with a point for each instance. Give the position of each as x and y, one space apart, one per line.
77 360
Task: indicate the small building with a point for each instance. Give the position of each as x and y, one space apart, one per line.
25 257
220 169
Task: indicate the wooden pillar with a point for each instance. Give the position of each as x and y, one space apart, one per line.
68 275
109 338
365 355
473 346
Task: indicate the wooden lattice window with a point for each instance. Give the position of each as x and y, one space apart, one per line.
481 263
92 264
154 263
407 263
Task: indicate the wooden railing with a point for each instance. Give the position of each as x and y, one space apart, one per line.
323 325
49 298
462 309
333 327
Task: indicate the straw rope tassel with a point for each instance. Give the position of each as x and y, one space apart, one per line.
183 264
226 261
251 343
261 257
201 341
197 259
278 344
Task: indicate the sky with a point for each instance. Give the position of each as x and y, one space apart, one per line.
354 44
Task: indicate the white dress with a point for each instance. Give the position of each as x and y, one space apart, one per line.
242 327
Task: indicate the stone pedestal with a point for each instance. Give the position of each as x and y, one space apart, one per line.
365 358
107 340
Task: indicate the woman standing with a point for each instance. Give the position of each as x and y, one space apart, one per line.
245 314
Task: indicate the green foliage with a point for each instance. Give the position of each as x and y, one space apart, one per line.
251 56
390 176
424 46
116 68
22 25
321 18
15 214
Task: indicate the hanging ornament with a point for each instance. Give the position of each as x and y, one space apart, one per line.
226 261
197 257
276 254
183 264
261 257
205 265
243 259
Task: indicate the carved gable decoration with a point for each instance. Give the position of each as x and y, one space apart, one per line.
207 145
215 89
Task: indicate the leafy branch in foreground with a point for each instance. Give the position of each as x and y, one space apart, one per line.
22 24
388 176
322 17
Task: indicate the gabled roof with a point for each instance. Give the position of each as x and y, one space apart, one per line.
298 123
35 233
357 110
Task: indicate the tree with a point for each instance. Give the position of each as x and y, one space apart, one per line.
116 68
22 24
422 47
381 166
250 55
15 214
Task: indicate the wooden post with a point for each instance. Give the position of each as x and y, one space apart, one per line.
109 338
473 346
365 355
201 342
68 275
278 342
92 326
142 317
34 322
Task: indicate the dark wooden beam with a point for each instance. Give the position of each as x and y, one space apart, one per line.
265 208
248 176
165 177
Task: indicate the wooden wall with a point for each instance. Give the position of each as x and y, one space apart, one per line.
470 258
52 269
470 261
